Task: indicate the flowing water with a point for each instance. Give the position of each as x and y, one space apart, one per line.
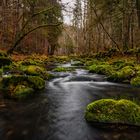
58 113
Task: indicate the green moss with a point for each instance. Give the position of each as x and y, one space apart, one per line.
34 70
119 64
123 75
92 62
36 82
1 71
61 69
10 83
101 69
31 62
113 111
22 92
48 76
135 81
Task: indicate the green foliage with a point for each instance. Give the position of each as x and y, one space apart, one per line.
36 82
34 70
22 92
12 84
135 81
113 111
61 69
123 75
101 69
29 62
119 64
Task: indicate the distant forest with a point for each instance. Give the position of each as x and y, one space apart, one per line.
37 26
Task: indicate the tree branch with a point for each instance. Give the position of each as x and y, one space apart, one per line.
115 43
17 42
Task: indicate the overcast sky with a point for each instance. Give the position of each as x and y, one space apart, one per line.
69 4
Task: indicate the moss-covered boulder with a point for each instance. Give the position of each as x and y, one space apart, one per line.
34 70
123 75
36 82
101 69
62 69
119 64
21 86
113 111
22 92
135 81
30 81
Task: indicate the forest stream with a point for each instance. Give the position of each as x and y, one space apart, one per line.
58 113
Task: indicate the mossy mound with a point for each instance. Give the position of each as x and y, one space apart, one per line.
91 62
123 75
135 81
113 111
21 86
101 69
31 81
34 70
32 62
62 69
119 64
22 92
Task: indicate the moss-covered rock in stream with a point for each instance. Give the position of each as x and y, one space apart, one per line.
135 81
101 69
32 81
119 64
123 75
113 111
21 86
62 69
22 92
34 70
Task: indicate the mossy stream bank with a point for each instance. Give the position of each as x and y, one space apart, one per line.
70 87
